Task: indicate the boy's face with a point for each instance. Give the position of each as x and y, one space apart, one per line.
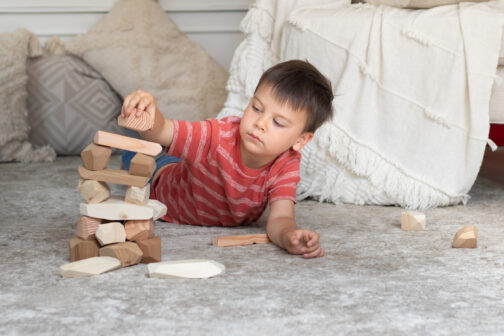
268 129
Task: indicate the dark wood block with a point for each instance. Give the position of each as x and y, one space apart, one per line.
128 253
142 165
82 249
151 249
96 157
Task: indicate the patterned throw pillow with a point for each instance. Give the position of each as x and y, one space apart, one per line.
418 3
68 102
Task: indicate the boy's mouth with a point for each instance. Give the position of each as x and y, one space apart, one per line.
255 138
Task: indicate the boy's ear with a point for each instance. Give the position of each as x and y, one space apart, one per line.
302 141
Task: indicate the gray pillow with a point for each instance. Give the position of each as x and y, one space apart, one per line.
68 101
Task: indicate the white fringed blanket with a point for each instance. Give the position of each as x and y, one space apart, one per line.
413 90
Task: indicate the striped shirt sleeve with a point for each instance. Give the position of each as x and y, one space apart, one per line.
189 139
285 182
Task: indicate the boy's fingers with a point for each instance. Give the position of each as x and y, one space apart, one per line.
319 252
310 249
143 103
312 238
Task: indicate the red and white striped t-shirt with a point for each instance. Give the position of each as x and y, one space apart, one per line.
211 185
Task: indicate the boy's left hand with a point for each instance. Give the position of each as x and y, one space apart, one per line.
305 242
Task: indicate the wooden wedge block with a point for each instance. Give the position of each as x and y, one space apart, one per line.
86 227
115 209
467 237
142 123
89 267
118 176
151 249
241 240
137 195
127 143
95 157
93 191
413 221
194 268
142 165
110 233
82 249
128 253
135 227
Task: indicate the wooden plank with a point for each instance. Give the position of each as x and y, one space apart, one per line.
89 267
115 209
127 143
261 238
118 176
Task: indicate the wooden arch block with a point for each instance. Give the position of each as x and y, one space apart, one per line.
128 253
96 157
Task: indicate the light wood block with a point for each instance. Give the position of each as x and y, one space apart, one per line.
194 269
128 253
89 267
467 237
115 209
134 227
82 249
127 143
110 233
86 227
261 238
94 191
142 123
118 176
142 165
158 208
137 195
151 249
95 157
413 221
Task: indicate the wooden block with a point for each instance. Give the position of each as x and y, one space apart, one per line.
186 269
94 191
241 240
127 143
86 227
82 249
128 253
89 267
151 249
158 208
467 237
413 221
110 233
118 176
115 209
95 157
142 123
137 195
134 227
142 165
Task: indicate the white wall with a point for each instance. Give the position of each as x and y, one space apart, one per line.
212 23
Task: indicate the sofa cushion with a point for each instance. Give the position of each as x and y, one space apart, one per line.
418 3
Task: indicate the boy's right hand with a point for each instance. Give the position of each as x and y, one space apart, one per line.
139 102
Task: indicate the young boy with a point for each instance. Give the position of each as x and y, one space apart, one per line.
230 169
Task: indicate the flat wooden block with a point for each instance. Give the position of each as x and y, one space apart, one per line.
158 208
128 253
137 195
241 240
82 249
110 233
94 191
142 123
467 237
95 157
86 227
133 229
89 267
142 165
118 176
127 143
194 269
151 249
115 208
413 221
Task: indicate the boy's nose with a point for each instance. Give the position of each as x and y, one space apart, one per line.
260 123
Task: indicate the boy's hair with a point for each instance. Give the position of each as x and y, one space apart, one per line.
303 87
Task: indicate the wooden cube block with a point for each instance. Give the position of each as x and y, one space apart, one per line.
89 267
127 143
139 229
94 191
118 176
137 195
151 249
82 249
413 221
142 165
110 233
142 123
115 208
128 253
96 157
86 227
467 237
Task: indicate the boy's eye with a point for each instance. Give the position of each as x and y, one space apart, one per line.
277 123
255 108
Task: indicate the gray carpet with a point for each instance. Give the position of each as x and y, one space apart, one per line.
375 278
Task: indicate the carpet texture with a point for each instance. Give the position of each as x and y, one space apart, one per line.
374 279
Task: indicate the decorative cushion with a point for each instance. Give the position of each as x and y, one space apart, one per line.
497 99
15 47
418 3
68 102
137 46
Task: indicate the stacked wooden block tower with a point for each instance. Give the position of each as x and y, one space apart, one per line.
118 227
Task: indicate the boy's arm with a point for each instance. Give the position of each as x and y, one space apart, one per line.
283 231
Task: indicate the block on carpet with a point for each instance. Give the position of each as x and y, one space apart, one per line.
82 249
128 253
467 237
194 268
151 249
142 165
413 221
115 208
96 157
134 228
127 143
93 191
261 238
137 195
118 176
89 267
86 227
110 233
141 123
